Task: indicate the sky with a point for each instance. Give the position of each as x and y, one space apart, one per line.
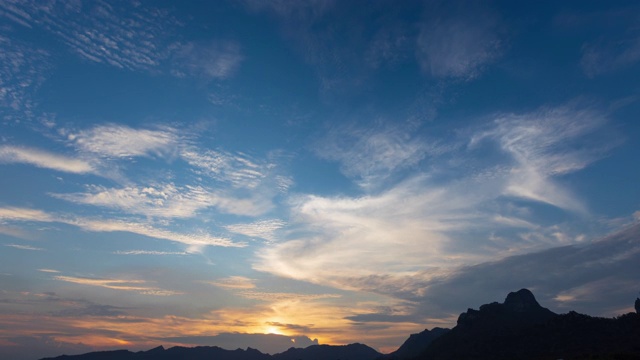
284 173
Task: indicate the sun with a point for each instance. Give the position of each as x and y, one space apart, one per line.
273 330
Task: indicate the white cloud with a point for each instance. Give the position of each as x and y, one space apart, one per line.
150 252
22 214
44 159
237 169
24 247
120 141
372 155
264 229
544 144
164 200
121 35
196 241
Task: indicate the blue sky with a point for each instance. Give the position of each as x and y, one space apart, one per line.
192 172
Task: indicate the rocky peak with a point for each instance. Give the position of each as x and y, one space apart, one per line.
521 301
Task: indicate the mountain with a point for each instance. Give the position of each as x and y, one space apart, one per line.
330 352
174 353
416 344
313 352
520 328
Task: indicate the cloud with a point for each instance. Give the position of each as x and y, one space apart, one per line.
150 252
22 71
213 60
575 277
49 270
460 45
119 284
44 159
372 155
427 223
126 35
238 169
120 141
283 297
24 247
234 282
264 229
164 200
195 241
548 143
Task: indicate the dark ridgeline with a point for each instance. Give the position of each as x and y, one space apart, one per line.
518 328
416 344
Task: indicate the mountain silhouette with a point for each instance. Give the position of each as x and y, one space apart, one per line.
330 352
518 328
416 344
313 352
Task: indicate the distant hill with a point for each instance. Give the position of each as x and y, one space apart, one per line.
313 352
330 352
518 328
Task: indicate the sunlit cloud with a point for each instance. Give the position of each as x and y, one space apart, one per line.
234 282
119 284
44 159
150 252
48 270
196 241
417 226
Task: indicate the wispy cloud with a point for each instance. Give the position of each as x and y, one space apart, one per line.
49 270
44 159
234 282
284 297
150 252
264 229
120 141
237 169
372 155
164 200
119 284
548 143
195 241
24 247
124 35
22 71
